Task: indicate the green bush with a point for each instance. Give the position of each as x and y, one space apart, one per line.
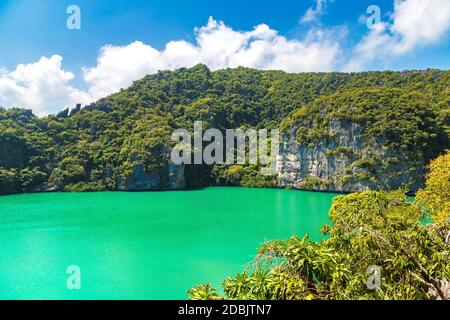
372 229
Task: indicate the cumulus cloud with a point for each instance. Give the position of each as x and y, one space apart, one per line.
218 46
45 86
414 24
118 66
42 86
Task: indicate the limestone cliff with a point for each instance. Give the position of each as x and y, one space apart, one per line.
346 161
171 177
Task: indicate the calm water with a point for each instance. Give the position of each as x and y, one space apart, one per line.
153 245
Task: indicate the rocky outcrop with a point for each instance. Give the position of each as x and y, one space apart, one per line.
169 178
345 161
176 177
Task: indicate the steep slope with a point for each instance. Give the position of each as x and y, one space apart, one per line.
359 139
122 142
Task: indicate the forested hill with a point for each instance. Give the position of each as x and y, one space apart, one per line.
121 141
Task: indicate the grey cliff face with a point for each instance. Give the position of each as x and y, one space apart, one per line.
169 178
344 162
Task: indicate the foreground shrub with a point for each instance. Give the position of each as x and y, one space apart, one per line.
371 231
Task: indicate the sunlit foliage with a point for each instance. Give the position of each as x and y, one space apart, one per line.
373 228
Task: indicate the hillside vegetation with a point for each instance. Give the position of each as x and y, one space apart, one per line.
99 146
378 247
365 138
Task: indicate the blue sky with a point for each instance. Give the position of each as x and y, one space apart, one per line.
30 29
62 66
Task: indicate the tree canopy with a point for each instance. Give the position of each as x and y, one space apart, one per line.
94 147
372 231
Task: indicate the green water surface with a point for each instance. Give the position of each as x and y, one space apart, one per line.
151 245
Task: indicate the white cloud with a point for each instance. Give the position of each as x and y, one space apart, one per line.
45 86
420 22
118 66
42 86
313 14
218 46
415 24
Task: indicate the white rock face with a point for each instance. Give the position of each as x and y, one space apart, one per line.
330 164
